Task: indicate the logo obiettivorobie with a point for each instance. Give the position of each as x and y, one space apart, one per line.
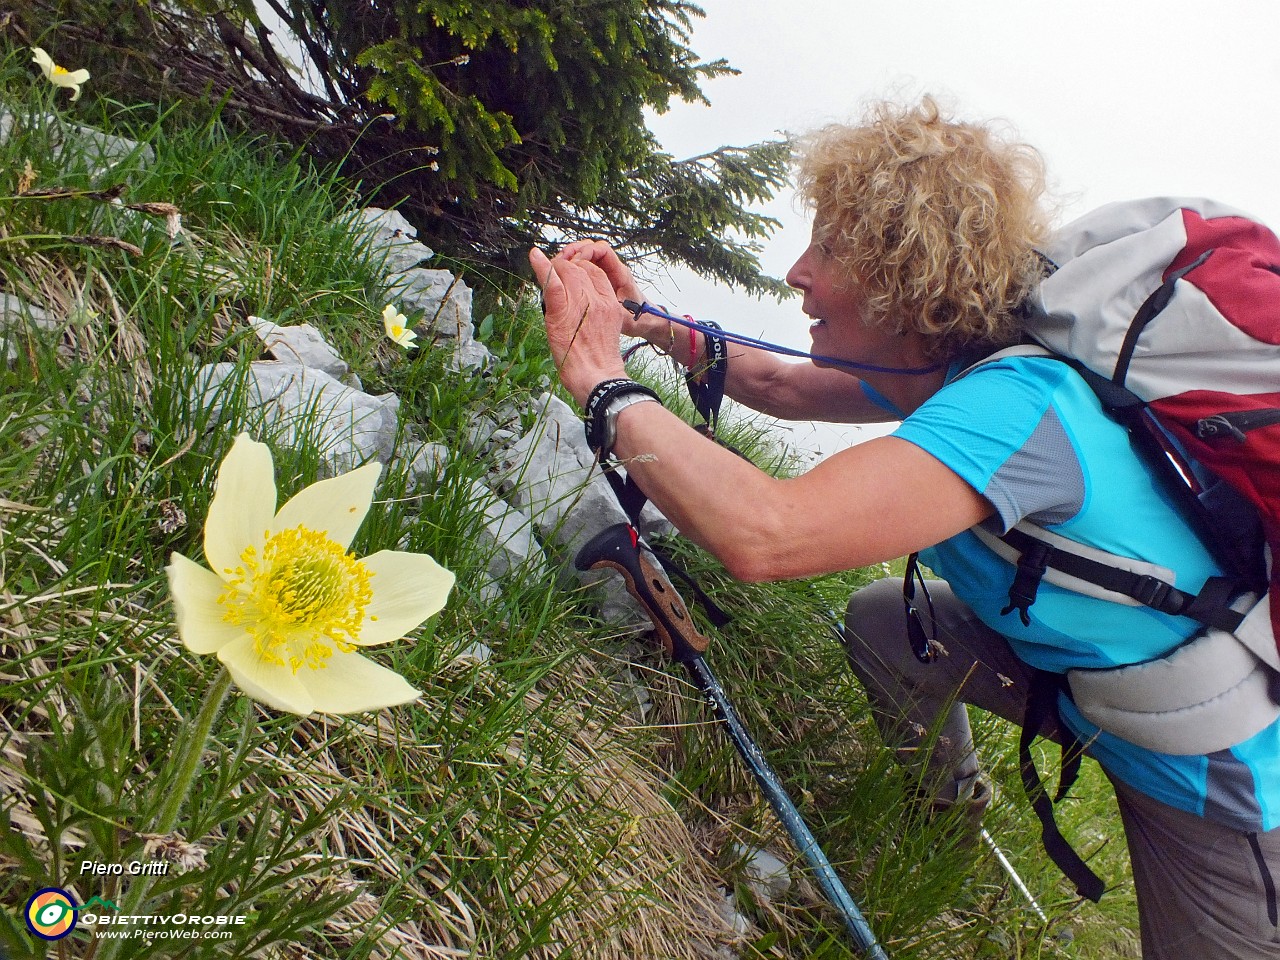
51 913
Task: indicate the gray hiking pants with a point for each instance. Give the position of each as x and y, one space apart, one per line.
1204 890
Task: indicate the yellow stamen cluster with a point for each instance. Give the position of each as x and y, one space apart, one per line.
302 597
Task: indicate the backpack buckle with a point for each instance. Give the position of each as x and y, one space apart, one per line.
1150 591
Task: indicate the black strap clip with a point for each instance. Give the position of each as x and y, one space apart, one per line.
1032 564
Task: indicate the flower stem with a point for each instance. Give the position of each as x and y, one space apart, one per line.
187 762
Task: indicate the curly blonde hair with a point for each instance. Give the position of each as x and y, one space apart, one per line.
936 220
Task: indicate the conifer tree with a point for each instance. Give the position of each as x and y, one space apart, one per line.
491 124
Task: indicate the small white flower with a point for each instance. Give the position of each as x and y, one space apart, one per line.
396 326
59 76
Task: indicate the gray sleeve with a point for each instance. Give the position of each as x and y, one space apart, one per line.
1042 481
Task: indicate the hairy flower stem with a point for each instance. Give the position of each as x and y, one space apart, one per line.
189 760
178 786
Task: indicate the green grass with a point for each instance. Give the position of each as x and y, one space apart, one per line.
525 807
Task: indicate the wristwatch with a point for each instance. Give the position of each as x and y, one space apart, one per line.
604 403
614 407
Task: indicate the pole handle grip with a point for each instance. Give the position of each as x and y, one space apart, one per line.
618 547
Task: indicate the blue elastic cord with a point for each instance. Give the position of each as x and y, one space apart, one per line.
639 308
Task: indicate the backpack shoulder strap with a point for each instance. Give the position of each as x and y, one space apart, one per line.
1017 350
1042 555
1035 550
1115 398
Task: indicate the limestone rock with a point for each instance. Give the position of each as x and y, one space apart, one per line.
301 344
388 231
549 475
348 427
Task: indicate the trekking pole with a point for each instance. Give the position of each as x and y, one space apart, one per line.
1013 874
620 548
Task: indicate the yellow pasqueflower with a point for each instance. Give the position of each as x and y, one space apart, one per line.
59 76
394 322
286 605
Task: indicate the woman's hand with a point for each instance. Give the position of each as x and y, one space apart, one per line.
583 317
606 258
646 326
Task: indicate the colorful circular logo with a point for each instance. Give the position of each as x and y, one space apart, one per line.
51 913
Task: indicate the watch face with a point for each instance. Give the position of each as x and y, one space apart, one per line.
602 414
611 420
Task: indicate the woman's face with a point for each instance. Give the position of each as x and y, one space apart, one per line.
835 304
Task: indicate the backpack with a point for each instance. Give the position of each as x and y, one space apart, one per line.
1173 306
1169 308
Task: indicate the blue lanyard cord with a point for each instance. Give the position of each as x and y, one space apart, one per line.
639 308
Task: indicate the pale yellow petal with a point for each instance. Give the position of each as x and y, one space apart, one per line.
336 506
273 684
77 77
244 503
43 61
407 588
348 683
195 593
392 319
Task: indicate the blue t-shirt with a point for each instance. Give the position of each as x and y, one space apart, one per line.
1029 435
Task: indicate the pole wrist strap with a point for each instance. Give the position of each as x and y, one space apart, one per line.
706 380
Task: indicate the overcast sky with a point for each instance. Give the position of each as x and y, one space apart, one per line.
1125 98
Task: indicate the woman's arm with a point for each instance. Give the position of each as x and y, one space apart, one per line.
756 378
873 502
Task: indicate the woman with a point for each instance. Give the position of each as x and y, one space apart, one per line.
923 247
